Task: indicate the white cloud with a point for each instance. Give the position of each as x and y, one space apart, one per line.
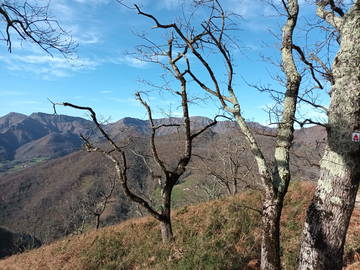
62 10
47 66
80 22
88 38
11 93
90 35
105 92
245 8
131 61
26 102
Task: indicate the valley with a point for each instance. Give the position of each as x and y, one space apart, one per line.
51 188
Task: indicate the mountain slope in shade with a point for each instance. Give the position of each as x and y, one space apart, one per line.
48 200
45 200
63 123
52 145
13 243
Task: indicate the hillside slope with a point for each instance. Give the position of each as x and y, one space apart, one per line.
28 140
40 135
50 200
220 234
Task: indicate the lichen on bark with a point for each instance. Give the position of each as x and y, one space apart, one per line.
330 211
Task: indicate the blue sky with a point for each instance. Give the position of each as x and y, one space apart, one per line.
105 77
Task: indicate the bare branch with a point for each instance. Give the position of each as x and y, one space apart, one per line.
158 24
335 8
310 122
327 74
279 94
327 15
32 22
121 166
193 136
309 64
153 133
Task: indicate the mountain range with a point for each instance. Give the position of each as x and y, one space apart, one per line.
39 135
48 183
48 136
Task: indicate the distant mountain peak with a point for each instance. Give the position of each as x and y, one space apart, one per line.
131 120
12 114
10 119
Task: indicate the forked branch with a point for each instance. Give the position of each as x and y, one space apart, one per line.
32 22
329 15
116 155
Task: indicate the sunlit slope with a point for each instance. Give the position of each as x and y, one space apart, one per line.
221 234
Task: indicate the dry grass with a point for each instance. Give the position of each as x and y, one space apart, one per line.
215 235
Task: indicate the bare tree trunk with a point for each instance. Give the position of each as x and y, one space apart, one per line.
274 182
166 231
235 186
275 193
330 211
97 221
165 223
228 189
270 240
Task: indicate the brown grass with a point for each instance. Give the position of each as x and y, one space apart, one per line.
208 231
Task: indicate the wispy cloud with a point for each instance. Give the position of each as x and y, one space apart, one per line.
90 35
83 27
105 92
131 61
11 93
62 10
46 65
26 102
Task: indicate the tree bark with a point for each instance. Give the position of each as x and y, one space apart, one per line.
330 211
270 239
165 222
166 231
274 182
274 195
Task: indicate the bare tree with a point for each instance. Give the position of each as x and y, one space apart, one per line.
169 175
93 205
105 199
274 179
329 213
227 164
31 21
207 189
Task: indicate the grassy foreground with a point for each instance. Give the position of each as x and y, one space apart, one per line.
220 234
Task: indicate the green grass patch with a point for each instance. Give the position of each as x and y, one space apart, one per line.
26 164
